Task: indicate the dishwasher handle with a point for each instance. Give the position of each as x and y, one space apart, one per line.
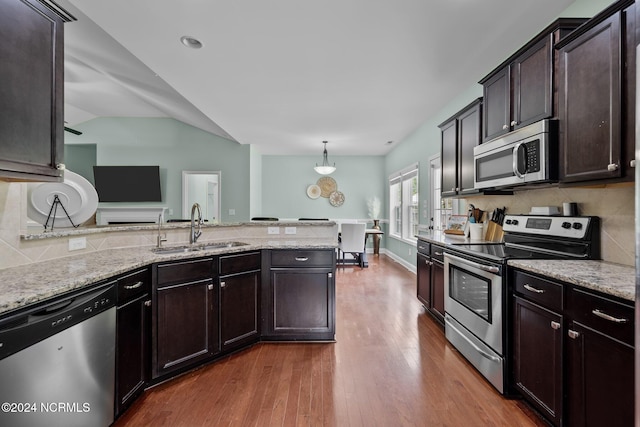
32 325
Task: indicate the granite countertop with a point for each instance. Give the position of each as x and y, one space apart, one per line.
32 283
609 278
606 277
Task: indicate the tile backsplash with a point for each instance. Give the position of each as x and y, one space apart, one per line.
614 204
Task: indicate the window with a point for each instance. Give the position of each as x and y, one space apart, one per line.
403 203
441 209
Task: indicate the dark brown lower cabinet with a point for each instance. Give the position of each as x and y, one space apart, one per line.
133 337
301 296
239 299
239 315
185 315
537 351
573 354
430 265
600 361
437 283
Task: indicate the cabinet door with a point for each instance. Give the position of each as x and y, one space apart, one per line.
449 158
590 100
186 328
31 84
133 355
600 388
497 105
302 303
424 280
532 84
537 357
437 290
239 315
469 136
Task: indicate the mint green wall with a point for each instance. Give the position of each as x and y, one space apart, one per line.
285 180
255 186
80 158
174 146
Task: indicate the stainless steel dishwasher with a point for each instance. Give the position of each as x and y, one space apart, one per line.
57 361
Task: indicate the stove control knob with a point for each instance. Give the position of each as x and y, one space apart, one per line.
566 224
577 225
514 222
508 222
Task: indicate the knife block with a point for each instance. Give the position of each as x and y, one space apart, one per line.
494 232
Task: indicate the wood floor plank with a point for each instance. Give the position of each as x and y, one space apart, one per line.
390 366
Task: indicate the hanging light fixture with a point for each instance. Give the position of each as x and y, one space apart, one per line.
326 168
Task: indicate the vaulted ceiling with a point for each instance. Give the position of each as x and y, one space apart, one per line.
287 74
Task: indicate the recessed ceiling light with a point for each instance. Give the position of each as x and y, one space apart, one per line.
389 142
191 42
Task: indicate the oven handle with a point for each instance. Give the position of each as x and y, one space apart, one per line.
471 343
489 268
546 251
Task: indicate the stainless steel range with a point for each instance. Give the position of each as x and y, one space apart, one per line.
476 288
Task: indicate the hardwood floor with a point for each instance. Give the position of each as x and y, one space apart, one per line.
391 366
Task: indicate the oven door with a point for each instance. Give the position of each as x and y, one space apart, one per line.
474 297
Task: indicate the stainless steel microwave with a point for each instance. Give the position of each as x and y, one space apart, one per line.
525 156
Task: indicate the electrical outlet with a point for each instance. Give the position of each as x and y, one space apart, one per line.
232 212
77 243
273 230
289 230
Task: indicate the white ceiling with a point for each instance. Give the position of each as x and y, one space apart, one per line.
287 74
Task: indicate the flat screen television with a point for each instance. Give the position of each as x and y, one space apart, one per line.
127 183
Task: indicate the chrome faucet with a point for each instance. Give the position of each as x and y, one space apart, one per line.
195 234
160 239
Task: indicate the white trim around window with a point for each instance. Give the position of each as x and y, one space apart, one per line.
404 207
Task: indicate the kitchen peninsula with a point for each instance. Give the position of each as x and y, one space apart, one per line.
239 284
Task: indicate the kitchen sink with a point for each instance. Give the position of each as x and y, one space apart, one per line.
196 248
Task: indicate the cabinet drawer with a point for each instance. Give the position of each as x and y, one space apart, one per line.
185 271
302 258
602 314
546 293
239 263
437 253
133 285
424 248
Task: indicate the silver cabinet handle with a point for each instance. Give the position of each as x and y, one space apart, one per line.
513 123
222 285
438 253
329 275
505 127
532 289
134 286
632 163
147 303
555 325
302 258
210 287
612 167
605 316
573 334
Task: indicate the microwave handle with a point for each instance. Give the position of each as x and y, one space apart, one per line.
516 171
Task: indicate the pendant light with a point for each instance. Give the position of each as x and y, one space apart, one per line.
326 168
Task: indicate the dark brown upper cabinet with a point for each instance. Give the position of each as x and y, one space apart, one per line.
520 91
459 135
31 90
597 98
